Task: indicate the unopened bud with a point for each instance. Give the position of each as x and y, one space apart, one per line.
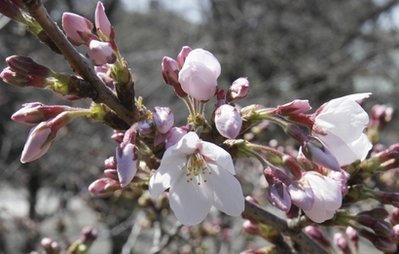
110 163
36 112
294 107
126 164
380 227
315 151
279 196
342 243
88 235
174 135
12 77
26 66
382 243
316 234
353 236
78 29
163 119
104 187
145 127
170 74
118 136
380 115
101 52
104 27
181 57
238 90
228 121
250 227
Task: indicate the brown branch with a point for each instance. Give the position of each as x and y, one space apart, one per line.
258 214
78 63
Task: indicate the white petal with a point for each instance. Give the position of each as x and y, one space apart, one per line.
227 191
352 97
186 145
216 155
190 202
171 167
319 216
345 152
205 57
327 191
301 196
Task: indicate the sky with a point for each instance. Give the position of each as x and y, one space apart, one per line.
189 9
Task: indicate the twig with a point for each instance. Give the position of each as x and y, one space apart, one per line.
258 214
78 62
134 233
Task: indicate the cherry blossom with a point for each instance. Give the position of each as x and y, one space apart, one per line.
199 175
339 124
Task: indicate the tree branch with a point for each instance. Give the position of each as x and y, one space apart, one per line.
78 63
258 214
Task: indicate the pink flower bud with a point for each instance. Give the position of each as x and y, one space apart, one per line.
174 135
103 187
126 164
101 52
294 107
41 137
26 66
102 22
170 73
380 115
163 119
316 234
353 236
117 136
110 163
36 112
228 121
199 74
279 196
145 127
239 89
382 243
10 76
181 57
250 227
78 29
315 151
341 242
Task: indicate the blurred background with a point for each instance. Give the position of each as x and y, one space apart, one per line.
303 49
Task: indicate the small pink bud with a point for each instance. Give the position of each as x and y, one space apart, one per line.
279 196
353 236
78 29
38 143
12 77
117 136
102 22
199 74
145 127
111 173
238 90
103 187
316 234
228 121
101 52
110 163
88 235
250 227
382 243
26 66
315 151
174 135
294 107
163 119
36 112
396 232
126 164
181 57
41 137
380 115
170 73
341 242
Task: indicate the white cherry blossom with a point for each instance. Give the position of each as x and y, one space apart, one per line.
199 175
339 124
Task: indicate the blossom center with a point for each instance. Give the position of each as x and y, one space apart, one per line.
197 169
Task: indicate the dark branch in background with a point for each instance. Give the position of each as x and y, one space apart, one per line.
78 62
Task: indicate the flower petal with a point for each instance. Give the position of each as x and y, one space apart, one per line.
206 57
187 144
171 168
216 155
227 191
190 202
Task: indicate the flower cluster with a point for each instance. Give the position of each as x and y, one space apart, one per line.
193 164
